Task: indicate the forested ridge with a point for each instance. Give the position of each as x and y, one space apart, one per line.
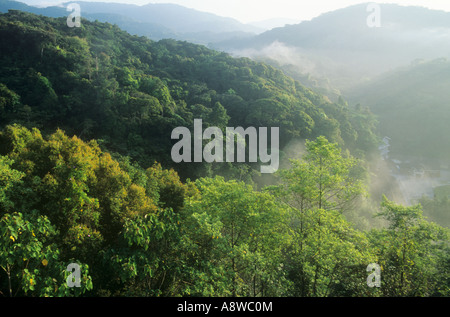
129 92
86 177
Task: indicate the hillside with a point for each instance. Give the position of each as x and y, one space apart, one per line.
412 107
99 82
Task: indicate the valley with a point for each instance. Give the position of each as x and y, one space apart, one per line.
114 155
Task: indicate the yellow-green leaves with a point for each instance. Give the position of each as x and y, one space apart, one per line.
27 255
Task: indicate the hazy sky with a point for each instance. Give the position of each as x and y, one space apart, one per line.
257 10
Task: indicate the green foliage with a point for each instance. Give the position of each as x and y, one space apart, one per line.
411 252
99 82
9 101
83 192
146 261
135 222
325 178
238 234
8 179
326 252
30 263
138 232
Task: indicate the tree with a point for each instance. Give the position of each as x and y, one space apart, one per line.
412 252
8 179
9 102
325 179
31 262
147 260
85 194
326 255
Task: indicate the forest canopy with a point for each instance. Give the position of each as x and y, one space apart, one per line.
86 116
144 232
129 93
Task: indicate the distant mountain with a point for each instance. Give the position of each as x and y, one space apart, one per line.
175 17
341 46
6 5
270 24
156 21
